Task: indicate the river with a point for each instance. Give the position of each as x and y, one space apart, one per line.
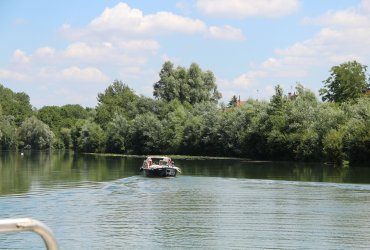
101 202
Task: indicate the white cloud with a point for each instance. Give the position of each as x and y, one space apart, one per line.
298 49
20 57
225 33
335 41
344 36
60 95
46 72
168 22
271 63
248 80
117 43
127 52
365 5
140 45
123 22
185 7
11 75
45 52
122 18
247 8
345 18
88 74
80 49
246 86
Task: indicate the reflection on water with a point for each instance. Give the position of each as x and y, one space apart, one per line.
19 172
275 171
95 202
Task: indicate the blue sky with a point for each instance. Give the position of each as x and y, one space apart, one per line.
66 52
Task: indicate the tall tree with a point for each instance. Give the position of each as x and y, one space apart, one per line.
118 98
192 85
277 100
15 104
168 86
348 81
275 125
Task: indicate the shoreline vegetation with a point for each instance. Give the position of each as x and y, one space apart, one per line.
186 119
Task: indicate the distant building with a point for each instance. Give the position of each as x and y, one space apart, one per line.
240 103
234 103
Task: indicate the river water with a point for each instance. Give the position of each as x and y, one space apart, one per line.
97 202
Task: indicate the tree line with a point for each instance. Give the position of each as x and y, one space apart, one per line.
185 117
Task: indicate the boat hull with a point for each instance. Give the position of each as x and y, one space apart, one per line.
160 172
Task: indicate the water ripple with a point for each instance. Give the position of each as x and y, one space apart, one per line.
196 213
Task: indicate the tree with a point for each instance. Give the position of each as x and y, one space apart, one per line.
70 113
168 86
35 134
275 125
303 140
88 136
173 123
65 136
200 130
333 146
146 134
61 120
116 134
118 98
346 82
8 135
192 140
15 104
192 85
357 135
233 102
277 101
231 125
253 135
51 116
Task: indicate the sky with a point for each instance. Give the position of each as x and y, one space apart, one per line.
66 52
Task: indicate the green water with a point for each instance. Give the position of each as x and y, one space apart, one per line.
97 202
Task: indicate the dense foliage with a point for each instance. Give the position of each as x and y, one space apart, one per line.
15 104
184 121
34 134
347 81
186 85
